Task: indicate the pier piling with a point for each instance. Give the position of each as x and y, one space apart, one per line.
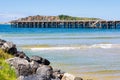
67 24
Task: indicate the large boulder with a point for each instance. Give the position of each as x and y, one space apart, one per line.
21 66
9 47
33 77
34 65
21 54
45 72
68 76
40 60
24 70
37 59
45 61
30 77
57 74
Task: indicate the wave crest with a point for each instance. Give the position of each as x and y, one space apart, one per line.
103 46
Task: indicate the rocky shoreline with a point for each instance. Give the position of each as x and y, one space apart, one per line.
32 68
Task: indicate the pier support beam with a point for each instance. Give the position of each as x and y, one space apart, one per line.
66 24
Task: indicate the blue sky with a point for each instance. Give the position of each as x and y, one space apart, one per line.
106 9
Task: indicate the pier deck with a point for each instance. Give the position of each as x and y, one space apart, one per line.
66 24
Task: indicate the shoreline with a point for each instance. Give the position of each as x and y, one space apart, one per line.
35 67
94 75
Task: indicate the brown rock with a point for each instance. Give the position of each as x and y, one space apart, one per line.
68 76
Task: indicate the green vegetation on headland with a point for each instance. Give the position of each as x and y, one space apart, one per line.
66 17
59 17
6 72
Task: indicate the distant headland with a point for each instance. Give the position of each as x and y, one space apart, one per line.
59 17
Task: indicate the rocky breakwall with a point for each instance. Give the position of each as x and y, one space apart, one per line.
33 68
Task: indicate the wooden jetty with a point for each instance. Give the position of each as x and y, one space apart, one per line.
66 24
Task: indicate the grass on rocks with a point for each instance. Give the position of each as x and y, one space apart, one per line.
6 73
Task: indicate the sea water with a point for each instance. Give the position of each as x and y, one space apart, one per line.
77 51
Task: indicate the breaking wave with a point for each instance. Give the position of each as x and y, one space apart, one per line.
103 46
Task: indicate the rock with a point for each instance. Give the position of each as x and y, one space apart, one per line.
37 59
21 66
11 61
21 78
56 79
78 78
12 50
33 77
16 55
41 74
40 60
57 74
68 76
21 54
45 72
30 77
2 42
34 65
0 46
59 71
9 47
45 62
16 60
24 70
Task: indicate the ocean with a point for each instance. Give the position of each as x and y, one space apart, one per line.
82 52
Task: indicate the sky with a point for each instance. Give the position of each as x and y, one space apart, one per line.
14 9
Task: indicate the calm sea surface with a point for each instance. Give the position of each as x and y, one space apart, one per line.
77 51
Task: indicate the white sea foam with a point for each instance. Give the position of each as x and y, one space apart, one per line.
103 46
55 48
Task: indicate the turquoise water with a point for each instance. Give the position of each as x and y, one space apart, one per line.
72 50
